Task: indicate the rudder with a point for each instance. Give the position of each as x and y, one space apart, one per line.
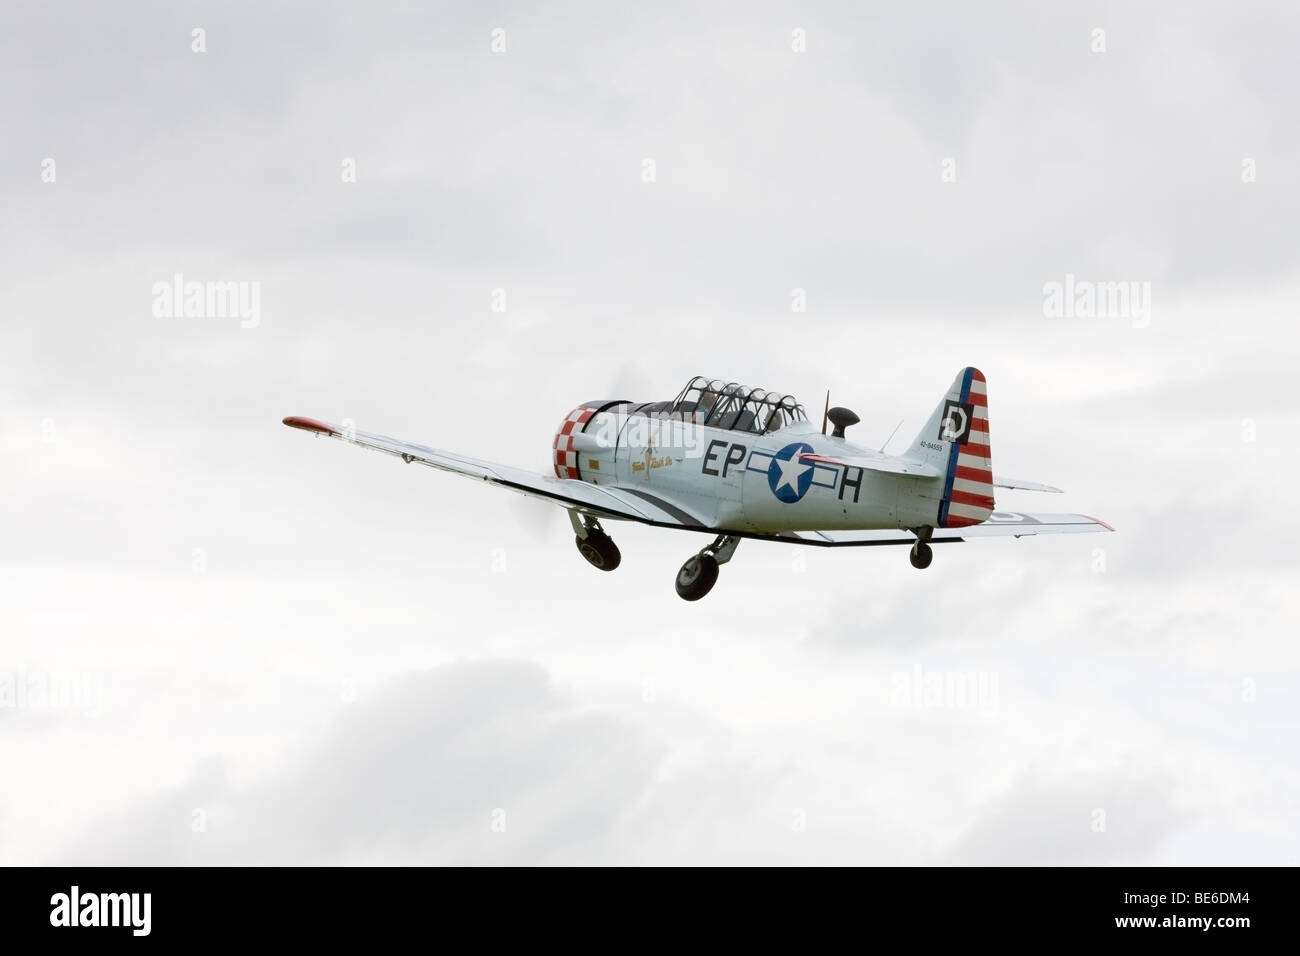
955 440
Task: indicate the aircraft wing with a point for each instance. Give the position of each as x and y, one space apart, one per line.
999 524
655 508
600 501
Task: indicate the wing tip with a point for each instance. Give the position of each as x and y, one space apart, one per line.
310 425
1100 522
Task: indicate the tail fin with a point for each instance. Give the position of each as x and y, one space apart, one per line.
955 440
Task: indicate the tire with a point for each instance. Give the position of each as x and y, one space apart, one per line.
599 549
697 577
921 556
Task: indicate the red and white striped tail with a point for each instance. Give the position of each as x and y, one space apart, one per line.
968 490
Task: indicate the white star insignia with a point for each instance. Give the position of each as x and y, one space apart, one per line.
792 469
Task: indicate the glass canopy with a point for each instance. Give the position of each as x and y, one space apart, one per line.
731 405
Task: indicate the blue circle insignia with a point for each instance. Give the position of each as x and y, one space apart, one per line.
787 476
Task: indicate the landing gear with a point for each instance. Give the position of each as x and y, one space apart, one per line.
593 543
700 572
922 554
599 549
697 577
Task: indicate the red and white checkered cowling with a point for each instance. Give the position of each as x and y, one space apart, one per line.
566 458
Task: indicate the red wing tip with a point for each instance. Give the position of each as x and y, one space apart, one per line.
809 456
1100 522
310 425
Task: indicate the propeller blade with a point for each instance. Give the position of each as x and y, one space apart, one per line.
826 411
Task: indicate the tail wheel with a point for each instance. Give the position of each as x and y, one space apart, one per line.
599 549
921 556
697 577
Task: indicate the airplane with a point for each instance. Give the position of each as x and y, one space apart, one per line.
737 462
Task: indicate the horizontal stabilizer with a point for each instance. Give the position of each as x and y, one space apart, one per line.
999 524
893 466
1001 482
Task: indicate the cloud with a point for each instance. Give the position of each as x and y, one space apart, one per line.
1117 816
418 772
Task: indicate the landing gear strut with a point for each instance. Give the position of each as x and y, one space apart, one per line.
922 554
593 543
700 572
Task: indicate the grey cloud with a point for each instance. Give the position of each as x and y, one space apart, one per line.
412 773
1116 816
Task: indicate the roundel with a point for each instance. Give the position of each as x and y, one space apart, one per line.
788 476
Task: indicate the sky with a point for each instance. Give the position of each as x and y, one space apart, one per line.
226 642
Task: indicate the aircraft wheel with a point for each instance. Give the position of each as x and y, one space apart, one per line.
921 556
599 549
697 577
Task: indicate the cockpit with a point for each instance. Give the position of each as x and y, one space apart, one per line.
730 405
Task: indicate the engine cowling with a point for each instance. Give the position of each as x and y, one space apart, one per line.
576 443
566 455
